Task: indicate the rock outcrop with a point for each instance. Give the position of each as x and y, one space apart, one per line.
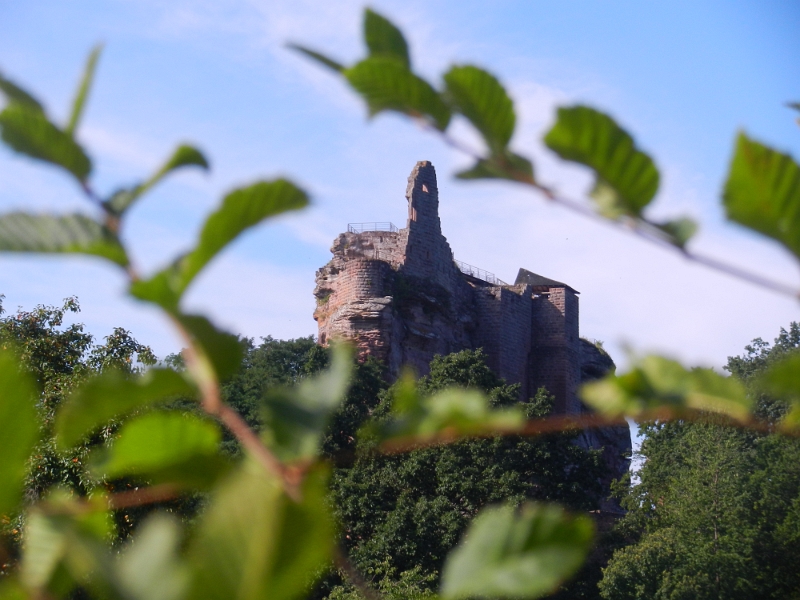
400 296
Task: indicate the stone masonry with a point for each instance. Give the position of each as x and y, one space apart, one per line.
398 295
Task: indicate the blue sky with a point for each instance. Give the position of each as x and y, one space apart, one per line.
681 76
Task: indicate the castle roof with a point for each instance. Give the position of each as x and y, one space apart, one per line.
540 281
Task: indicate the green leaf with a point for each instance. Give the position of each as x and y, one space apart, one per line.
679 231
385 84
11 589
254 542
240 210
83 90
454 412
295 419
321 58
113 395
15 94
657 383
19 429
62 551
68 234
763 192
222 351
501 166
478 96
508 553
27 131
183 156
783 380
151 567
384 39
164 447
627 178
45 546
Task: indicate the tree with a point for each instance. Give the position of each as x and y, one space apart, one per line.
60 358
714 514
267 529
402 515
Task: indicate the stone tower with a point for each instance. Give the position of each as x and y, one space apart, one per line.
400 296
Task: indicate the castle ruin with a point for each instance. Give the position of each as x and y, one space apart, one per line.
400 296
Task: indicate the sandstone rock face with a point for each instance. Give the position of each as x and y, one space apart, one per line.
399 295
615 441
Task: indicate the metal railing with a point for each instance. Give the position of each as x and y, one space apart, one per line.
362 227
477 273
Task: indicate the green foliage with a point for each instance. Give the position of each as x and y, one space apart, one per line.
659 384
295 420
506 165
70 234
271 364
763 192
218 353
26 130
714 515
150 567
517 554
184 156
113 394
181 445
255 542
240 210
15 94
452 413
385 84
478 96
408 511
83 90
408 585
384 39
627 178
715 511
20 428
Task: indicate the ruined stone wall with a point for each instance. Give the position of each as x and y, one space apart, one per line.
399 297
555 347
504 331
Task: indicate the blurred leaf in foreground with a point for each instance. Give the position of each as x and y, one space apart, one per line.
112 395
478 96
452 412
26 130
517 553
386 84
383 38
763 192
164 447
254 542
19 429
627 178
296 418
241 209
51 234
656 383
783 380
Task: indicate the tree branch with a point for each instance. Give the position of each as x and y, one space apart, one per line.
630 225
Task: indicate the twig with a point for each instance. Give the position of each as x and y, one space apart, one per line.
565 423
353 576
128 499
631 225
252 443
